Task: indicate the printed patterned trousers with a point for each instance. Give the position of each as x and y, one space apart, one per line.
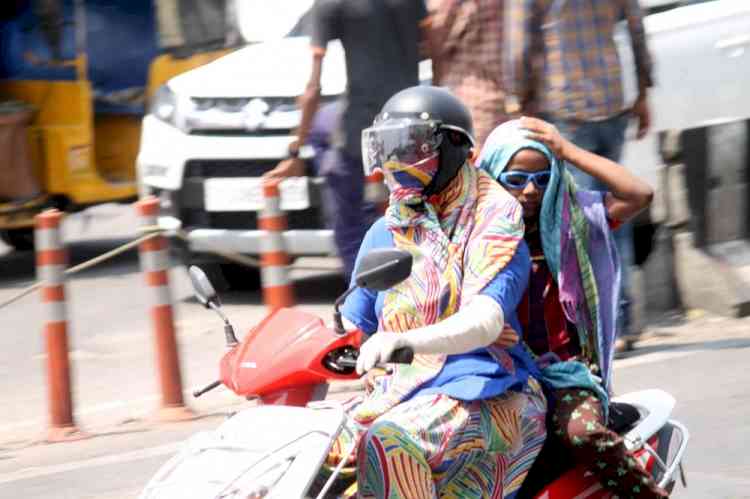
578 421
435 446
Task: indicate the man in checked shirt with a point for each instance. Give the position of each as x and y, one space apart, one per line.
561 64
466 40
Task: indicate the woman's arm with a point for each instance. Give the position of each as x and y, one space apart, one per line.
627 195
479 323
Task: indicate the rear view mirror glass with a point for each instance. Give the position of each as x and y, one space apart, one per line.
383 268
204 290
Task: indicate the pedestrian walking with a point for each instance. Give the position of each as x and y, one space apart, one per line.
381 40
466 46
561 63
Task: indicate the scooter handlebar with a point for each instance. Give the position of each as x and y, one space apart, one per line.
400 356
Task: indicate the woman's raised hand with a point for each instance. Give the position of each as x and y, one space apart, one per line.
547 134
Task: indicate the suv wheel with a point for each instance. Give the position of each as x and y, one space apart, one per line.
241 277
19 239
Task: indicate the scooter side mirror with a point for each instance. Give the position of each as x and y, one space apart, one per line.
381 269
204 290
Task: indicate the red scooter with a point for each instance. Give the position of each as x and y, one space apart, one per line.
276 449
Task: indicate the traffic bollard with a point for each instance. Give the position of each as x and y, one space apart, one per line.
154 258
51 261
376 191
278 291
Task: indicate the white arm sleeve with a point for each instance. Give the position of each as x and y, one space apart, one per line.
477 324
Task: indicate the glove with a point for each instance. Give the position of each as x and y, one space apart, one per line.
378 349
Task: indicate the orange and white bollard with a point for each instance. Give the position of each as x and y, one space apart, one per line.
278 290
51 261
154 258
376 191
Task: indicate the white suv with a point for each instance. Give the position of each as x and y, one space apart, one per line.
213 131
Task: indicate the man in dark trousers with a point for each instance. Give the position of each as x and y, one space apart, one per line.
381 41
562 64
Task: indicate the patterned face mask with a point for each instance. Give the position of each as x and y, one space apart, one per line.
406 151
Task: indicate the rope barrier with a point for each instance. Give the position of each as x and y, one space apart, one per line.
153 247
151 232
245 260
82 266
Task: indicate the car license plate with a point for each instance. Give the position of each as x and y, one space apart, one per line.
246 194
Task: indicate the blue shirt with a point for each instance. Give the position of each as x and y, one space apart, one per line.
470 376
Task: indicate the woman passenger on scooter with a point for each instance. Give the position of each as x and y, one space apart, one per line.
467 417
568 312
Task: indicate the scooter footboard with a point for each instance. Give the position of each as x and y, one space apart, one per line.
668 450
265 448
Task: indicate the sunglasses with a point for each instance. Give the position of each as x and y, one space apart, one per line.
519 180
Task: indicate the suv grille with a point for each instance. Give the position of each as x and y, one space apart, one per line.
210 168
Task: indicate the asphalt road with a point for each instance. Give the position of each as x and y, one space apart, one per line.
708 379
702 364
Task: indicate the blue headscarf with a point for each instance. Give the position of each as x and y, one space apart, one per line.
506 141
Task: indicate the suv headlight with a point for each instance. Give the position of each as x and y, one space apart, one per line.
164 104
172 108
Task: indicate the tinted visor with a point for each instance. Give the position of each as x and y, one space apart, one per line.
397 144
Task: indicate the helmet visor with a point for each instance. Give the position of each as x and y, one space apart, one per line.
399 145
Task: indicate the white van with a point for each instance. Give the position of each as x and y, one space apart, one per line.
212 132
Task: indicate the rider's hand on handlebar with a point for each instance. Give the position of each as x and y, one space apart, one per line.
378 349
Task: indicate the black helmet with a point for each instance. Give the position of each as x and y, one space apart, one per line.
450 122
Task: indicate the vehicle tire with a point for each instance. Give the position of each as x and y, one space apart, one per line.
240 277
19 239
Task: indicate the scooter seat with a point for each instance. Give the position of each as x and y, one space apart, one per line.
622 417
